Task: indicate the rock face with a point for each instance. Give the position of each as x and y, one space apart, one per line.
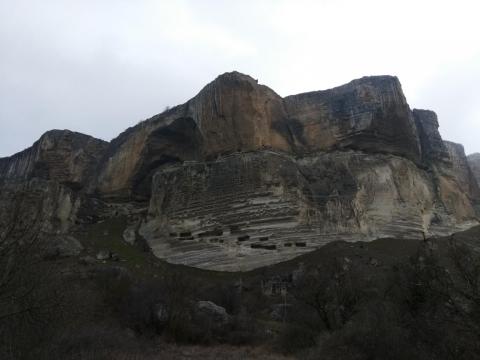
466 180
37 205
253 209
474 163
41 187
233 113
63 156
432 146
238 177
369 114
236 114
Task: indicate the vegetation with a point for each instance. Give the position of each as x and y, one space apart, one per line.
345 301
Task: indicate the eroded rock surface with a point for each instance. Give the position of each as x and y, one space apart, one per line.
63 156
369 114
254 209
432 146
239 177
474 163
462 170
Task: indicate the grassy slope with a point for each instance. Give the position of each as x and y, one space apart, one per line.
375 255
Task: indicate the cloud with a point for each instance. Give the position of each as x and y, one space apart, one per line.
100 66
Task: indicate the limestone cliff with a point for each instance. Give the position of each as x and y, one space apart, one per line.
462 170
369 114
60 155
474 162
42 185
239 177
233 113
432 146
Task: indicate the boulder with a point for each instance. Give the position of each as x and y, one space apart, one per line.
68 246
130 235
212 313
87 260
103 255
161 313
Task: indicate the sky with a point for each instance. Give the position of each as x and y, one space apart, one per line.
100 66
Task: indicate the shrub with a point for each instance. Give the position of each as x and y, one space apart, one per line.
295 338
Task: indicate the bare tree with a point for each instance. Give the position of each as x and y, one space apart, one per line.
331 291
29 296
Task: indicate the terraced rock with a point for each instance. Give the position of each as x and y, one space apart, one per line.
239 177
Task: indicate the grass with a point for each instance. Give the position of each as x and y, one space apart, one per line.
108 235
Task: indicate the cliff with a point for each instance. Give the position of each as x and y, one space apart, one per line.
239 177
433 147
474 163
369 114
61 155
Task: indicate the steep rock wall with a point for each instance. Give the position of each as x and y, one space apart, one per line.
254 209
474 163
40 187
369 114
234 114
432 146
37 205
238 178
60 155
462 171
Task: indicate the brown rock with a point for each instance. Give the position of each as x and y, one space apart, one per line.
238 178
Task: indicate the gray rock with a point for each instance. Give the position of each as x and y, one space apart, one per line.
69 246
161 313
103 255
433 147
62 246
279 312
212 312
474 162
129 235
374 262
87 260
251 177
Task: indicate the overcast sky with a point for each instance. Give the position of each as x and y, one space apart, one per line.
99 66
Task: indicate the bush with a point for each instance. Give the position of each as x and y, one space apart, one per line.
295 338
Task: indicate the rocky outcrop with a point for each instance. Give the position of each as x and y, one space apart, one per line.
236 114
432 146
462 171
208 312
40 187
369 114
37 205
60 155
233 113
359 165
253 209
474 163
239 177
132 157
